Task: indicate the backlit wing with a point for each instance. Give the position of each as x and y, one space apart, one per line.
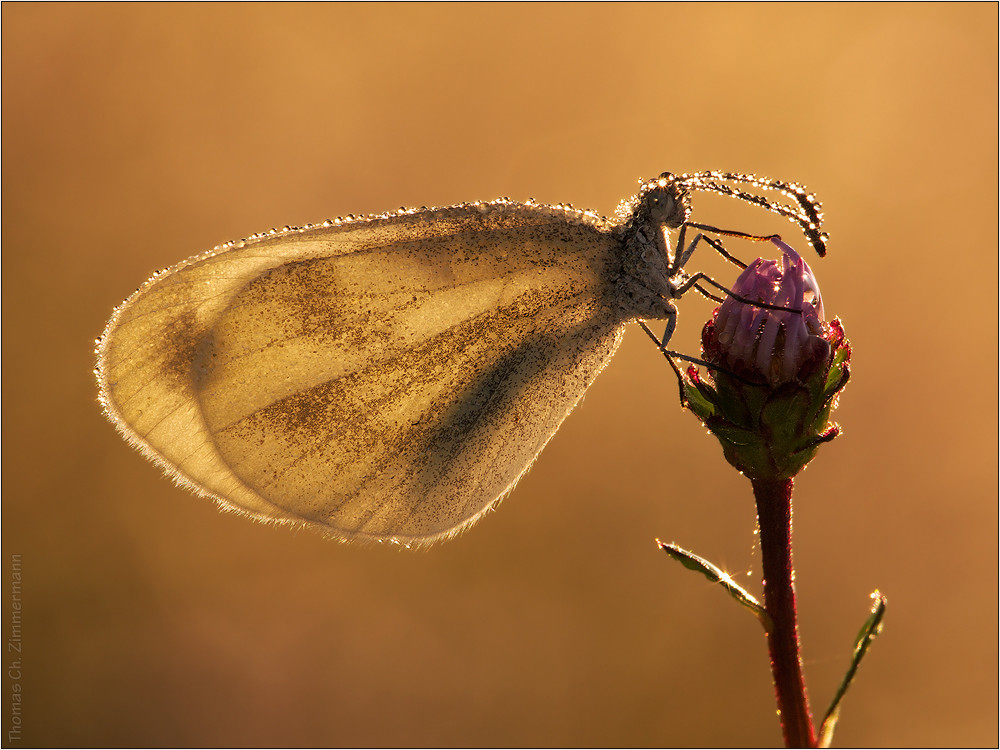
387 378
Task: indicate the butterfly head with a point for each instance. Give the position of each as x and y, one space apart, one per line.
663 201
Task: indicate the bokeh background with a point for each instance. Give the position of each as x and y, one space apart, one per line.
134 136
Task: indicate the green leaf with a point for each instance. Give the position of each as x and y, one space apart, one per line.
692 561
871 628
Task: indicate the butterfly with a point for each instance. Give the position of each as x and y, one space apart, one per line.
392 377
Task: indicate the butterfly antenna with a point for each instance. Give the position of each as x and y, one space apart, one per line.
809 212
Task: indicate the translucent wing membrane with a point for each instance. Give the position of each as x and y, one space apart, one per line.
388 379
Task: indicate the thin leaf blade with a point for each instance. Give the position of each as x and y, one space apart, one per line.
867 634
715 574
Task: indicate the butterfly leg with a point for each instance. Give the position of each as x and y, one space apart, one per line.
668 331
693 282
671 356
686 252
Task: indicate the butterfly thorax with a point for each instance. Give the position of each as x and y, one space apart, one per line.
649 277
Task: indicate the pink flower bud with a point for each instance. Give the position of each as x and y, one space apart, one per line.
777 345
775 371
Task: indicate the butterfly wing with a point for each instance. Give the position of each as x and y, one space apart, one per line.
388 379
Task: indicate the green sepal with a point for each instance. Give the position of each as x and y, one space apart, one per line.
837 371
766 431
715 574
871 628
699 400
782 415
739 402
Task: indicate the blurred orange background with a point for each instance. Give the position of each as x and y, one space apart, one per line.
136 135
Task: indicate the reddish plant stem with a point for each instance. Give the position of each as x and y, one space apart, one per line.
774 517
